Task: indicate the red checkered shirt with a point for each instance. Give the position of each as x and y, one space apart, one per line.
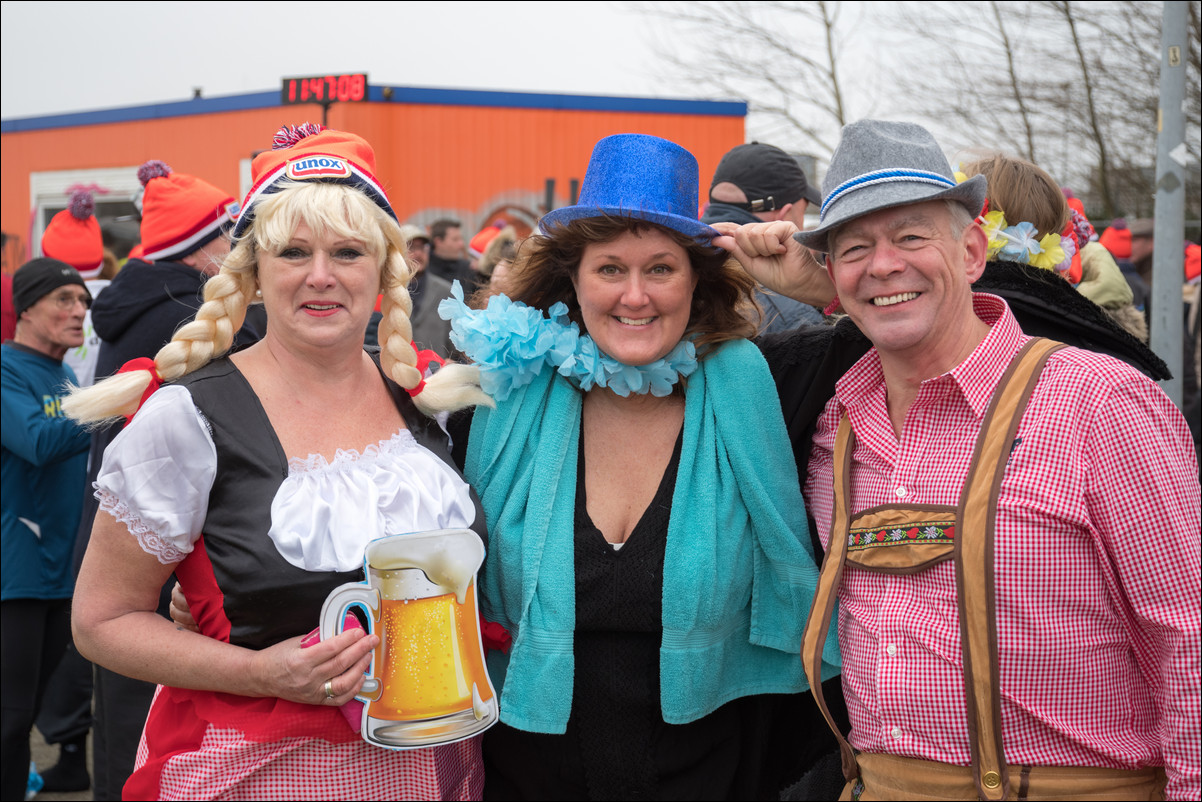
1097 564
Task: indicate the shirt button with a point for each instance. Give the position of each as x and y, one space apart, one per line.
901 492
891 649
896 733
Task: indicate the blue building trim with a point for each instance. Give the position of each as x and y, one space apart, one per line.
396 94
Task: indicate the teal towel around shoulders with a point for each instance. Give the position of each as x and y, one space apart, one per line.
739 573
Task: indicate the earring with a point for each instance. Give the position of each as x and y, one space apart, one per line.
258 293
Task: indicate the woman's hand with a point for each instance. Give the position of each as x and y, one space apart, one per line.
301 674
181 613
297 667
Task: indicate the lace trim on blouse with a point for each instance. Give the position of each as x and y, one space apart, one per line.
352 459
150 541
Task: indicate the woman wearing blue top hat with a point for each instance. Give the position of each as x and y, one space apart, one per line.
649 553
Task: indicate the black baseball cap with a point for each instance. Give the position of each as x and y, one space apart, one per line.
769 177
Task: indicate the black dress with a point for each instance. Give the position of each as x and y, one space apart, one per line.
617 745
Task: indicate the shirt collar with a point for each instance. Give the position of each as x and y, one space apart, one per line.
976 376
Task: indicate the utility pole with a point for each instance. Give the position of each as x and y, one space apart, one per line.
1171 158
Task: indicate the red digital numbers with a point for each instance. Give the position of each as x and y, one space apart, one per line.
325 89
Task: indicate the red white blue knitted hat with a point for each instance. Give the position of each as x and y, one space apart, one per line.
308 152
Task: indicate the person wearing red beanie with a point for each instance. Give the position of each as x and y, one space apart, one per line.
73 236
184 219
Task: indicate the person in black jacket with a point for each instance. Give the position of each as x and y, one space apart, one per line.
446 255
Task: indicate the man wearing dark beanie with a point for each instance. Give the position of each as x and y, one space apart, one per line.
44 461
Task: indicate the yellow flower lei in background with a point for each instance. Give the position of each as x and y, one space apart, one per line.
1018 243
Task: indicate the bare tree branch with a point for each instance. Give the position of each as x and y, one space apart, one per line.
1071 86
1015 86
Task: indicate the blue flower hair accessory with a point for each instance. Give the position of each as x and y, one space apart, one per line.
511 343
1021 243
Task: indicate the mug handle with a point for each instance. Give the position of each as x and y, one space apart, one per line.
333 612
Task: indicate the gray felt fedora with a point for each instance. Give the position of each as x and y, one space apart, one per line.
881 164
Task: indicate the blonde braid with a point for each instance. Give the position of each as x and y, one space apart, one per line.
192 347
211 333
397 356
454 386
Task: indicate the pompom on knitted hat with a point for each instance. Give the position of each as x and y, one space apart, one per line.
73 236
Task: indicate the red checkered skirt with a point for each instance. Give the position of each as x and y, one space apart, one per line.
201 745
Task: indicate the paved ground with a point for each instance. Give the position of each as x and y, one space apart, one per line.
46 756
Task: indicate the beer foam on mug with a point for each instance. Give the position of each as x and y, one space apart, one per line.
449 560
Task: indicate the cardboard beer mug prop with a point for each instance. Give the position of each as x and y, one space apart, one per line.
427 684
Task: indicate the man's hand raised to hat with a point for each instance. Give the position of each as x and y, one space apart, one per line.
768 252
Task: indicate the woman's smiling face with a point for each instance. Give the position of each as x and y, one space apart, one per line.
319 290
635 294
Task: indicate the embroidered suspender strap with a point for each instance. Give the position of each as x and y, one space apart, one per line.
974 565
828 589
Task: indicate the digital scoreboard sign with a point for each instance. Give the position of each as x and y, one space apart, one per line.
325 89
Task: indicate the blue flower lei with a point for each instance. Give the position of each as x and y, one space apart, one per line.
511 343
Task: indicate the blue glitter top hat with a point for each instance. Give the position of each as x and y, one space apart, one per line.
640 176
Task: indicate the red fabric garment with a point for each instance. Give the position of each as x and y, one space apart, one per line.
156 381
1096 561
494 636
8 312
179 719
228 766
425 358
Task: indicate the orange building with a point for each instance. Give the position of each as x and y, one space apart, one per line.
470 155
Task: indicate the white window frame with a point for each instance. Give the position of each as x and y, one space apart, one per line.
50 189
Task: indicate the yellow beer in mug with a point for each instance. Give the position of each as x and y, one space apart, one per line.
427 684
424 679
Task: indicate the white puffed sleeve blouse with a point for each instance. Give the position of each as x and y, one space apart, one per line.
157 474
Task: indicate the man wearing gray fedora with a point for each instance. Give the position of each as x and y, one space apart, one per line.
1011 525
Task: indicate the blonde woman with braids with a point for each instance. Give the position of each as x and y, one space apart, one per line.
258 478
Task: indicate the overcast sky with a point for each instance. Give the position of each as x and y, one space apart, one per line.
63 57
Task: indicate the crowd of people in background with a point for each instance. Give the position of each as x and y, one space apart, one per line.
788 495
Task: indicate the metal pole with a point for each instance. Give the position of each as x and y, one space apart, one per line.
1171 158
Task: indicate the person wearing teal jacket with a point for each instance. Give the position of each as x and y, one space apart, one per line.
649 554
42 466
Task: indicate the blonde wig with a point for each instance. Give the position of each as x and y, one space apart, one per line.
324 208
